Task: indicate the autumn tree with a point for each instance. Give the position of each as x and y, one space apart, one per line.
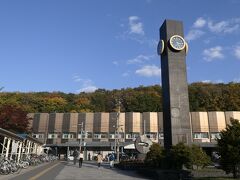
13 118
202 97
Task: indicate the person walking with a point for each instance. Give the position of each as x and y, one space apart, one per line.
75 156
80 159
99 159
89 156
111 160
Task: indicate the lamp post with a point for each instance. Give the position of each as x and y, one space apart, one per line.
46 133
117 130
81 134
144 127
56 150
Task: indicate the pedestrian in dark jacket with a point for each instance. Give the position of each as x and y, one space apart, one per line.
111 160
75 156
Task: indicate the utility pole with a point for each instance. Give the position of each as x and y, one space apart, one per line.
55 137
80 141
46 134
144 126
118 116
115 139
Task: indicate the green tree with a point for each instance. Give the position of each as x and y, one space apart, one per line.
198 157
154 156
229 148
179 156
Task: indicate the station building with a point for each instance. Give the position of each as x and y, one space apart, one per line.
99 131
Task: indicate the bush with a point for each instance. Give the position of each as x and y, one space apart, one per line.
154 156
198 157
131 164
177 157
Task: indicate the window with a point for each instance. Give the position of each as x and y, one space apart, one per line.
41 136
97 136
200 135
88 135
160 135
38 136
104 135
135 135
128 136
215 135
68 136
34 135
111 136
85 134
65 136
52 135
71 136
132 135
151 135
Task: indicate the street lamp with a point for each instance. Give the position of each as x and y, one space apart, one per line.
56 150
81 134
115 143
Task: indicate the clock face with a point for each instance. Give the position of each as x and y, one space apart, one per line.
177 42
175 112
160 47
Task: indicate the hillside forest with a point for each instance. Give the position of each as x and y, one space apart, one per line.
202 97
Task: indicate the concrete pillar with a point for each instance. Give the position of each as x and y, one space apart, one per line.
19 151
8 147
4 142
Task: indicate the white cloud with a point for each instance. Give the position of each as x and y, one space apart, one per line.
213 53
136 27
76 78
125 74
194 34
115 63
219 81
236 80
206 81
149 71
237 52
139 59
199 23
215 81
87 89
224 26
87 84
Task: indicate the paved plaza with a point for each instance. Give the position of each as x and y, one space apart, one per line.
62 170
91 171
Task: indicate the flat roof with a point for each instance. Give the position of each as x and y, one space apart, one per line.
10 134
89 144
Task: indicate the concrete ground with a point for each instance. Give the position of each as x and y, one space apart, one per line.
62 170
90 170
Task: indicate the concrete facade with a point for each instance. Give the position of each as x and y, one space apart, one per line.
174 87
56 128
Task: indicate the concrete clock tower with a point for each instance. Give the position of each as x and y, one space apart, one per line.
173 49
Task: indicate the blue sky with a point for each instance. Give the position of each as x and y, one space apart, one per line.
81 45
